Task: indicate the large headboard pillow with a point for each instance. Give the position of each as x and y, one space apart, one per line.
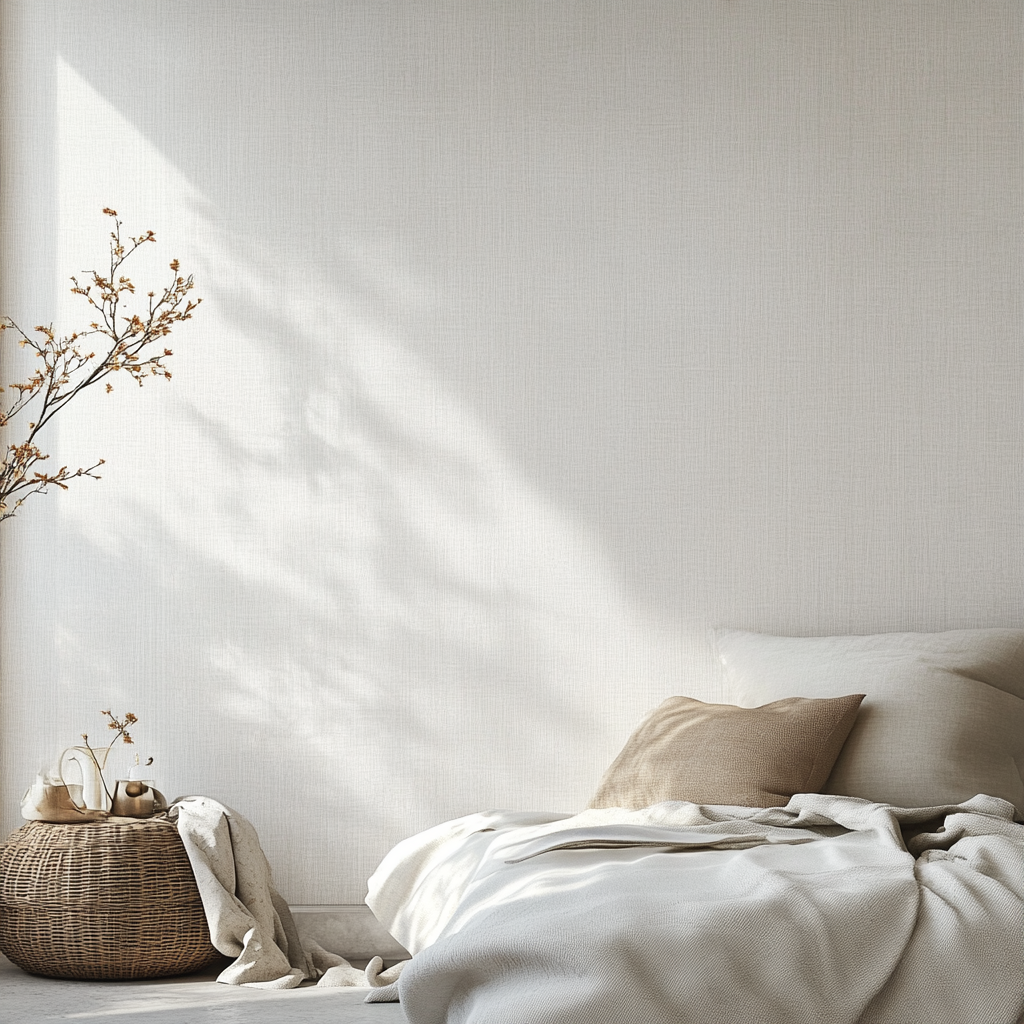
943 715
722 754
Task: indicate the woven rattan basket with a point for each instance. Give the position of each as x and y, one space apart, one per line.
110 899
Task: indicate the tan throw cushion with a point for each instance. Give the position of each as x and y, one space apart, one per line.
721 754
943 719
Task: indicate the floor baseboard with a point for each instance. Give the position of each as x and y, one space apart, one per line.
350 930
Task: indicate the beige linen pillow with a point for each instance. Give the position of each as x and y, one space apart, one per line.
943 716
721 754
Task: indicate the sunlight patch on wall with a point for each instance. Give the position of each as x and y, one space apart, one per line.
327 591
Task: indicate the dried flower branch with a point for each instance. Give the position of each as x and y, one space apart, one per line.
67 368
121 725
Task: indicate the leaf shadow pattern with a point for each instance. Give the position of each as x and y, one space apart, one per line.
351 615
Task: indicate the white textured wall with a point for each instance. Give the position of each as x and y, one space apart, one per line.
537 339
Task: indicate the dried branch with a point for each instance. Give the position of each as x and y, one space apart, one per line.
66 368
122 734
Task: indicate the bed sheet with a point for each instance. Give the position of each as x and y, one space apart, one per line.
830 910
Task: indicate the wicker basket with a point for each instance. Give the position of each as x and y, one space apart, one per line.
110 899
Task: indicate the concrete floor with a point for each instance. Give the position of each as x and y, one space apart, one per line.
195 999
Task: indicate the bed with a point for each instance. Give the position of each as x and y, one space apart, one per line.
840 844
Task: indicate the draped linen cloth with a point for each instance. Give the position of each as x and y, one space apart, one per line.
247 917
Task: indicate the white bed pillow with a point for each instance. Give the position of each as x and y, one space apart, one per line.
942 719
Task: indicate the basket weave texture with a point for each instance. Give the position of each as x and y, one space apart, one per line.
113 899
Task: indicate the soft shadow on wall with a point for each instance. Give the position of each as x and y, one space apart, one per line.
518 369
331 598
726 287
360 525
363 614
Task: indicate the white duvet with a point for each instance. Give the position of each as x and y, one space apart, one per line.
830 910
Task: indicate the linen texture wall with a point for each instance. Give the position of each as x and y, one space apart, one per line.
537 340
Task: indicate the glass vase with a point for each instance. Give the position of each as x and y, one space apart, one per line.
89 764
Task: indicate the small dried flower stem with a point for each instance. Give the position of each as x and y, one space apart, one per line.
122 734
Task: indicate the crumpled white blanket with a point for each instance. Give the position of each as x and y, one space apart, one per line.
247 917
830 910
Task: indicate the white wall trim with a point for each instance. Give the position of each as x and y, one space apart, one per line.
350 930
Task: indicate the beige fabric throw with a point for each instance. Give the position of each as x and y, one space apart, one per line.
247 917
